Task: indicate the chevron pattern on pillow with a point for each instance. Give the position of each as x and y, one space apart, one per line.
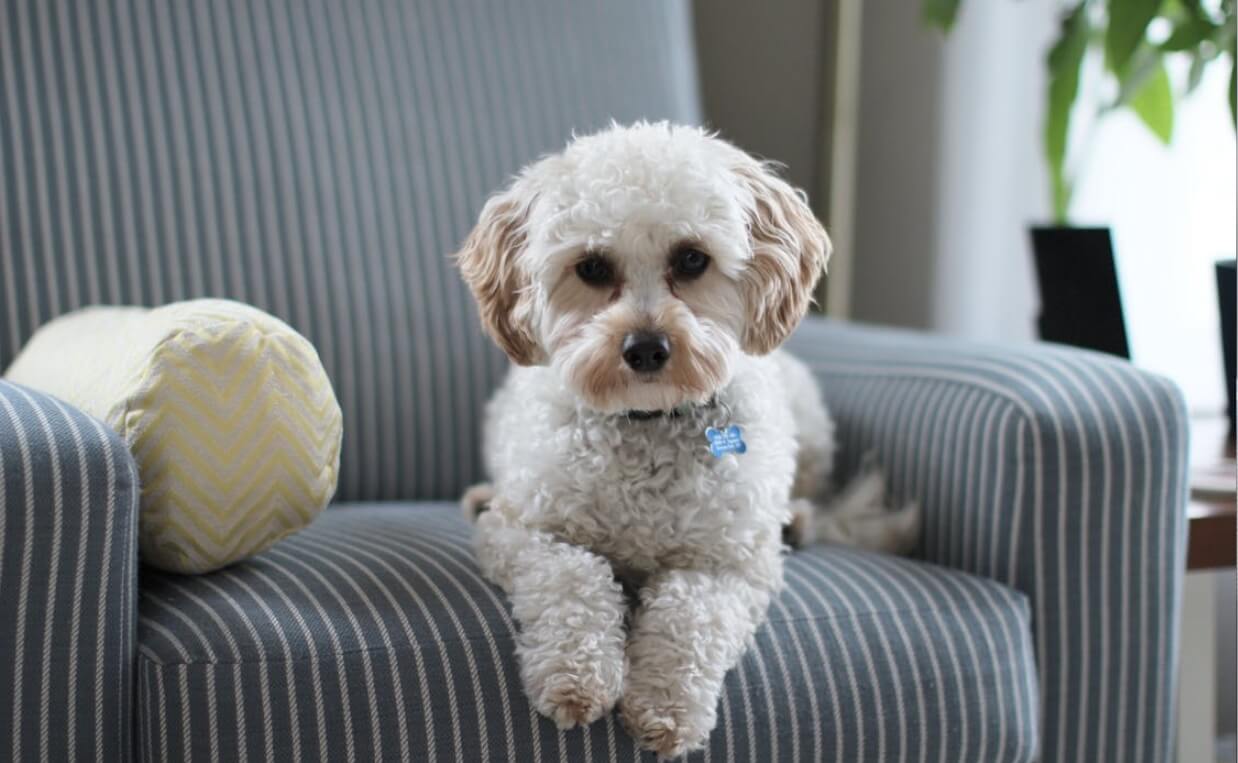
228 413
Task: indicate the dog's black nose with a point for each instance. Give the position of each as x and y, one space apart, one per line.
645 351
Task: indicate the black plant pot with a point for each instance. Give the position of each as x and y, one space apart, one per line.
1080 303
1227 283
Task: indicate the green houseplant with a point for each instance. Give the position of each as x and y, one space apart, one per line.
1080 300
1200 32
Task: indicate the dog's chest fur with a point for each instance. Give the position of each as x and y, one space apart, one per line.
649 494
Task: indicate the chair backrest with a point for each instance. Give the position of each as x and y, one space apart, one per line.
319 160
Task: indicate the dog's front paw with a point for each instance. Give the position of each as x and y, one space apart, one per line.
664 730
663 727
571 643
574 700
574 688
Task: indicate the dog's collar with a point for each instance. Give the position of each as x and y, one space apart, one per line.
673 413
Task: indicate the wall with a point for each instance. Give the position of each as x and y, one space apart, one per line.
781 80
947 164
761 67
949 171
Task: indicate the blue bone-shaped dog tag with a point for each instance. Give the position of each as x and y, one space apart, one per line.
723 441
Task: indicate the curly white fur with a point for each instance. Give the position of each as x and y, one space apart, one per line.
584 493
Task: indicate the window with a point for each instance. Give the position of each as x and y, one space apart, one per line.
1172 214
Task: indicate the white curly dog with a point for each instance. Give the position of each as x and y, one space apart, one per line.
650 434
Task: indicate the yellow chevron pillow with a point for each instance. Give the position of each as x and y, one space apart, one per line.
227 411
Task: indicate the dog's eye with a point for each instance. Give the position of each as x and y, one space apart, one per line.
689 263
595 270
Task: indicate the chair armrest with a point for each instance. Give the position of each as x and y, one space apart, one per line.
68 582
1059 472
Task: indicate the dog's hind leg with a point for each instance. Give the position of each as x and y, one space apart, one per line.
814 429
476 500
814 448
858 516
855 516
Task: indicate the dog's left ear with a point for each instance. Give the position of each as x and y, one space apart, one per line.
789 252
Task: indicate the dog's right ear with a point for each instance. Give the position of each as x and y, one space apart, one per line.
488 260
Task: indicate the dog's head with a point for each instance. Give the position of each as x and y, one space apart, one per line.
640 261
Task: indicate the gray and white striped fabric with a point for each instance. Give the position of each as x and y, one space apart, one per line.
319 160
371 636
1058 472
68 583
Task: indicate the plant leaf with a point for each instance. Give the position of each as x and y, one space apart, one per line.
940 13
1232 46
1188 33
1233 88
1225 39
1065 59
1154 103
1191 26
1196 73
1128 23
1142 67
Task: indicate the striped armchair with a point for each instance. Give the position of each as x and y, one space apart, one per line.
319 162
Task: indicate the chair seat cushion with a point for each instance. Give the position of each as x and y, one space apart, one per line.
371 635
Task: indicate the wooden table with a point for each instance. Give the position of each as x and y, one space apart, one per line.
1212 513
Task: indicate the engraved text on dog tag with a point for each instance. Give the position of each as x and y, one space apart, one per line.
723 441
